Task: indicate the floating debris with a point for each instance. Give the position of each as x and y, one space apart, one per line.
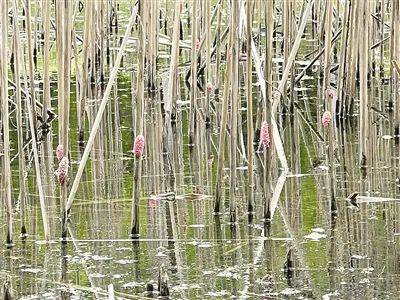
290 292
32 270
316 235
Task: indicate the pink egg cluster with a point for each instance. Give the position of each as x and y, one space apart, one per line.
60 152
265 137
138 146
326 118
62 171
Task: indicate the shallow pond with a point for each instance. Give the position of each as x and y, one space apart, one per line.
319 244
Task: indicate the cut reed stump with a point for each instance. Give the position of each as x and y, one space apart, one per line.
163 289
7 289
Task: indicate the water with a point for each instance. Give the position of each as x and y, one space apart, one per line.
350 256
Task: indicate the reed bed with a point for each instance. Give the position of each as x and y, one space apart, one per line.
216 101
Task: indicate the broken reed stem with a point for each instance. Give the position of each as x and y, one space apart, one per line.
100 111
275 131
315 59
5 119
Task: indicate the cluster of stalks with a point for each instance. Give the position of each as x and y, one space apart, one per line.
229 91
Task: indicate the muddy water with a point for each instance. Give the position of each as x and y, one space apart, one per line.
350 256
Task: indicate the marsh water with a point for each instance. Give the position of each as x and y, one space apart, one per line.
307 252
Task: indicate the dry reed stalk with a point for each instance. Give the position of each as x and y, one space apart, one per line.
222 137
194 117
342 60
382 28
60 68
363 12
234 25
328 47
170 107
152 28
60 89
351 69
81 99
100 112
249 90
396 67
331 156
31 69
5 121
21 154
395 56
217 50
139 129
315 59
287 33
66 18
207 151
172 95
136 197
330 103
269 22
47 147
46 58
193 82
